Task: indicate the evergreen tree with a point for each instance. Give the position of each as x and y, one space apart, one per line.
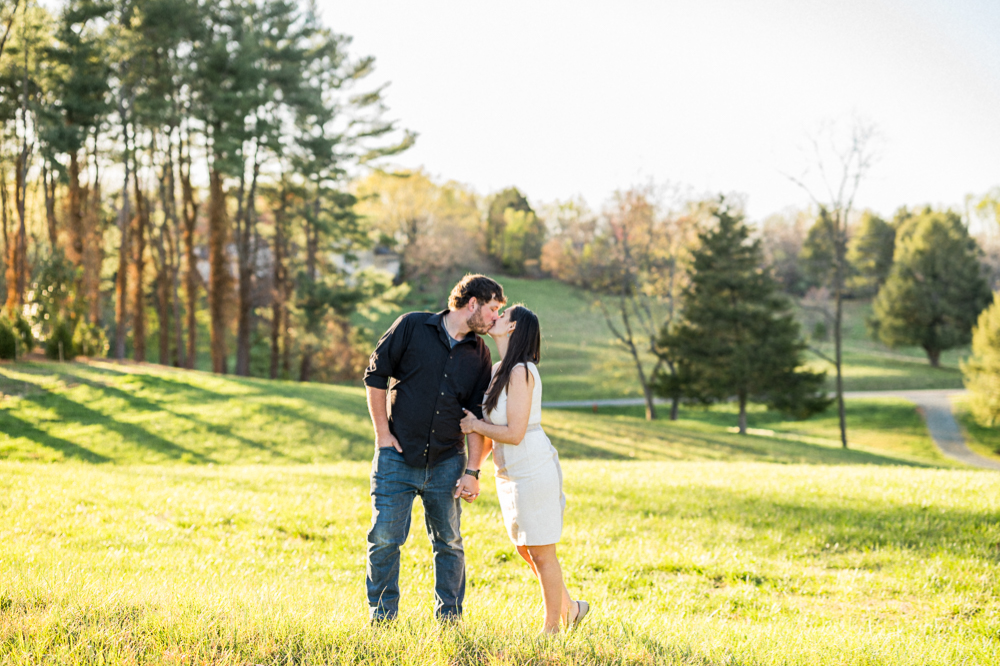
982 370
738 336
870 254
935 290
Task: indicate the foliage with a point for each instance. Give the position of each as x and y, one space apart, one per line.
870 254
90 340
8 341
982 370
59 343
513 248
55 296
782 237
738 335
632 261
819 250
935 290
434 227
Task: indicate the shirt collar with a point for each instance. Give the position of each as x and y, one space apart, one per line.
437 320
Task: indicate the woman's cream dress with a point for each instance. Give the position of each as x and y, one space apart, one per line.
528 477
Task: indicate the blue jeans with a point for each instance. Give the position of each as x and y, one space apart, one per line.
394 484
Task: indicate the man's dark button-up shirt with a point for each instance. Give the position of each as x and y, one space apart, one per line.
429 382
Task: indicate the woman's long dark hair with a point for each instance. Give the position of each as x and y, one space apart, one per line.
525 345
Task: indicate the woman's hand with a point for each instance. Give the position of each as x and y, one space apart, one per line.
469 422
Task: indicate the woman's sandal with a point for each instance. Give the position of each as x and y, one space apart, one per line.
582 608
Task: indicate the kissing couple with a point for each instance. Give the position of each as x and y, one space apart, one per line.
432 387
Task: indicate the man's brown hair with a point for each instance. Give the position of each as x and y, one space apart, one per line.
480 287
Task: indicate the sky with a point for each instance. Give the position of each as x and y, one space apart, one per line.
579 99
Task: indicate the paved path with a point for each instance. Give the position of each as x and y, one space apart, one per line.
934 404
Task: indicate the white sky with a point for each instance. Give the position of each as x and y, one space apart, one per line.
582 98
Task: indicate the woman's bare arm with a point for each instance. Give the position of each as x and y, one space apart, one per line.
519 390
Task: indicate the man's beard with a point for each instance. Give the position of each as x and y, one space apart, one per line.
477 323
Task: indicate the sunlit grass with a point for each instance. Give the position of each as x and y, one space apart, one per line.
685 563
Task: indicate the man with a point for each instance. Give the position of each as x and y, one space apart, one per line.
424 371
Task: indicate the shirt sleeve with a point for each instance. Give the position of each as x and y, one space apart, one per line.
387 354
482 385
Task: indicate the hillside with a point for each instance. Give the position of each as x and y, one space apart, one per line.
581 360
103 412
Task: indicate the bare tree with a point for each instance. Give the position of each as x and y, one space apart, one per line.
840 165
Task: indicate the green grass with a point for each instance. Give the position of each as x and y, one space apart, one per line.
984 440
206 519
101 412
582 361
684 563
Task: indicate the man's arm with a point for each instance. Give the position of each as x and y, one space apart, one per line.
380 419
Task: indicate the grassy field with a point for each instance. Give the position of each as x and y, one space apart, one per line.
202 519
581 361
684 563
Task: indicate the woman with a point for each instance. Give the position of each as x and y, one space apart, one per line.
528 476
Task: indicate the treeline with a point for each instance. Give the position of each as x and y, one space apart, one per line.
168 166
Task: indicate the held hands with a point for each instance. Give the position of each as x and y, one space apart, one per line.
467 488
469 422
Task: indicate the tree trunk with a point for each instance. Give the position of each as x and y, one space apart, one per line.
49 186
75 212
10 274
121 279
190 210
245 229
219 279
93 253
278 286
21 237
139 224
675 404
163 294
838 333
934 356
312 250
743 413
174 256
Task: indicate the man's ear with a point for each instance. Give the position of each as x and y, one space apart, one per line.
472 304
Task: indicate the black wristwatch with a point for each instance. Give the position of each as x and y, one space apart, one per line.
472 472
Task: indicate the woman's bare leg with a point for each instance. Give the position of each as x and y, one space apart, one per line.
554 593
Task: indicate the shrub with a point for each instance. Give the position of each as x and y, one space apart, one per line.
62 332
90 340
8 340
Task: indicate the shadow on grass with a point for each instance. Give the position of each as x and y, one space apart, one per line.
139 404
582 435
16 427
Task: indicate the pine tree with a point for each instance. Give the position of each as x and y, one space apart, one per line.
738 336
936 288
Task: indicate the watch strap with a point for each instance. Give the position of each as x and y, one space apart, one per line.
472 472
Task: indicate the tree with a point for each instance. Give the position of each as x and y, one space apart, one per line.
870 254
632 263
853 157
820 249
434 227
982 369
513 246
936 289
738 336
782 238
